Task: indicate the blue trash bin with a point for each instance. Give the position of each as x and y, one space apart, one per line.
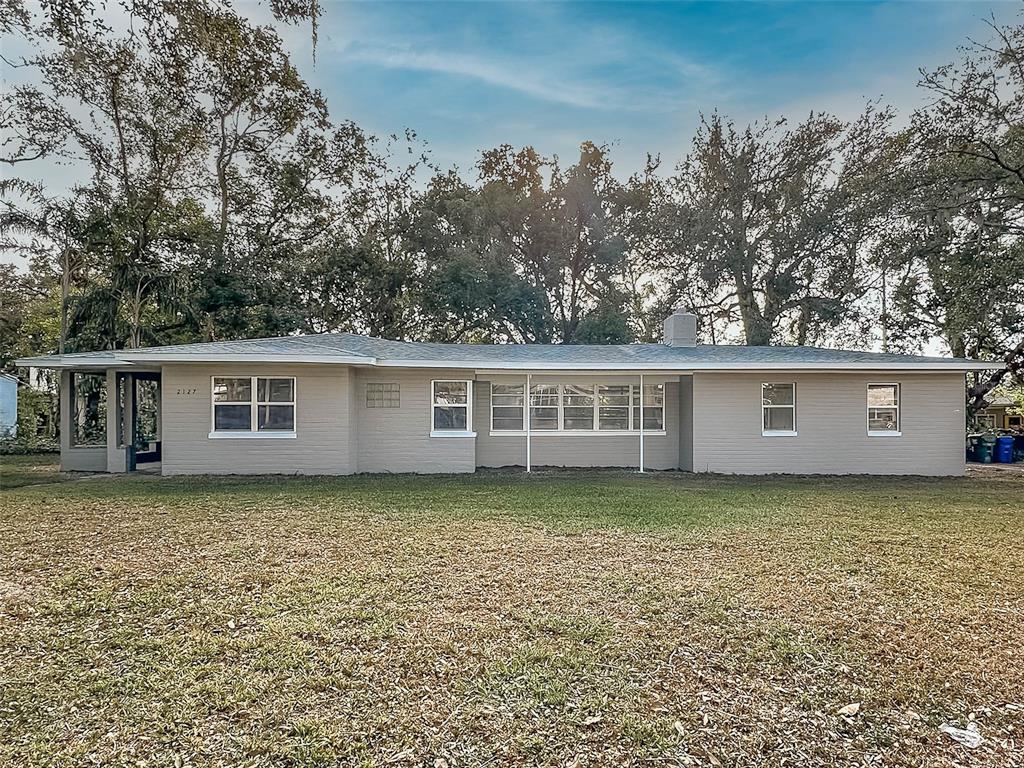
1004 449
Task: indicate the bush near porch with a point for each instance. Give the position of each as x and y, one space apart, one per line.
586 619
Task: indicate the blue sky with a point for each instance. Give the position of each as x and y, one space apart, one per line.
468 76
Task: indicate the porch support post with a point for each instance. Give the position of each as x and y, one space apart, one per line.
641 423
116 459
526 416
65 427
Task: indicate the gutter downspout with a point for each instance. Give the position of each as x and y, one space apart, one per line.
526 407
641 423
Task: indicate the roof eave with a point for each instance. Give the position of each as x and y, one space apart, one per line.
59 361
241 357
952 366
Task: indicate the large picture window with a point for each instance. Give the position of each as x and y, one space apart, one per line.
450 406
88 409
778 409
253 405
577 407
883 409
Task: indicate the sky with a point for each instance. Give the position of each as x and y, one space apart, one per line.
470 76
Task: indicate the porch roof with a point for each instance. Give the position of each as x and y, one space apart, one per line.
352 349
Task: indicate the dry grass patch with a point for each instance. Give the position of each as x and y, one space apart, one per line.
587 619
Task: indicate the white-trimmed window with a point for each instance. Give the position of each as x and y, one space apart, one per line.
450 411
507 407
778 408
253 405
545 407
577 407
883 409
383 395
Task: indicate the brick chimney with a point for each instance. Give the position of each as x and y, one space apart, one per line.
681 329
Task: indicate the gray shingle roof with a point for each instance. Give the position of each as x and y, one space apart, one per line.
351 348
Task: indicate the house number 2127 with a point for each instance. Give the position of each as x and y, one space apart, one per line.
191 391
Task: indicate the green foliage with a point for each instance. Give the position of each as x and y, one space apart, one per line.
222 200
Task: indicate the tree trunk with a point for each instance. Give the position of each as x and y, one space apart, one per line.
65 292
1013 366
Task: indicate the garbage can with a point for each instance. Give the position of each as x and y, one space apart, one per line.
1004 449
972 447
986 449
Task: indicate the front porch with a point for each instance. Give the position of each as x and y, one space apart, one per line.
111 420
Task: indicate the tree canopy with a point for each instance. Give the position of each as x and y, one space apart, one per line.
221 199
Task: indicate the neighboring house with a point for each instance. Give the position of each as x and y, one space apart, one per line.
340 403
1002 412
8 405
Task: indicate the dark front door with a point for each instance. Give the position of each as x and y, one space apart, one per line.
146 417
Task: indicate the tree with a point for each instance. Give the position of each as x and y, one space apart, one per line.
773 220
972 135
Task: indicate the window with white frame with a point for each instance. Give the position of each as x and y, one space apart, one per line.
382 395
883 409
577 407
778 409
545 407
248 404
507 407
450 406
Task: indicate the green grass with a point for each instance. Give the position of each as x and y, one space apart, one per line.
500 619
31 469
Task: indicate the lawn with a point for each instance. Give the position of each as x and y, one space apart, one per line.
587 619
16 471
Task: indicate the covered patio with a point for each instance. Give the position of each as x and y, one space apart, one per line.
112 419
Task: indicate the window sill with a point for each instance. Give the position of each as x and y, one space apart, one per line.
240 435
885 434
579 433
778 434
451 433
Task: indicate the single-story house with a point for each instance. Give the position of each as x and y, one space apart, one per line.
340 403
8 405
998 414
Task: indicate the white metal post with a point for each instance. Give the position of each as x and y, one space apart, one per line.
526 411
641 422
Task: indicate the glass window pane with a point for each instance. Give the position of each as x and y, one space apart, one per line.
382 395
506 399
89 408
613 394
232 417
654 418
777 394
544 394
232 390
273 417
509 417
450 392
614 417
882 395
450 417
778 420
654 394
543 418
508 424
574 417
275 390
578 395
508 389
883 419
